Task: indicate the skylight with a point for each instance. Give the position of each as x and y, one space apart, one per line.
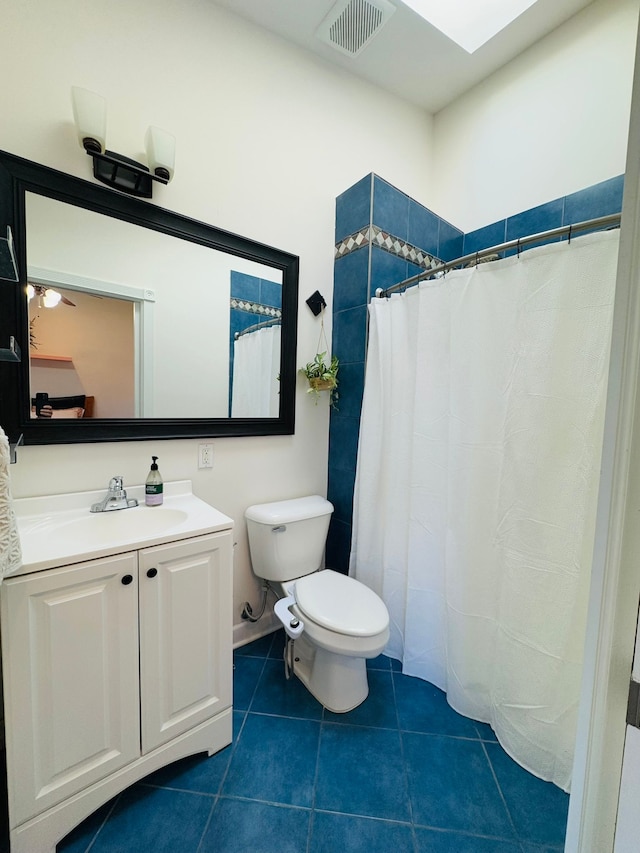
470 23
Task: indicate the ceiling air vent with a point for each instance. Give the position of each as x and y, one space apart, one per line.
351 24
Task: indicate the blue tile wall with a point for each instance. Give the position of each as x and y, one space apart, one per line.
270 293
387 269
450 241
350 334
245 286
350 279
412 237
338 540
350 390
250 288
390 209
341 483
540 218
343 444
544 217
424 227
600 200
239 321
484 238
353 208
365 265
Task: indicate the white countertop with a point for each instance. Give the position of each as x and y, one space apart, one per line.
56 530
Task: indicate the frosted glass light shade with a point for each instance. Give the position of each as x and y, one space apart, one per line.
90 116
161 152
51 298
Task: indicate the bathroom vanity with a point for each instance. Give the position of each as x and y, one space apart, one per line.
116 652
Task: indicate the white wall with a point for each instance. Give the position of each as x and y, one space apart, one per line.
551 122
267 138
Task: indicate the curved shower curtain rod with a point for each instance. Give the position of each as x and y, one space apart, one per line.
263 325
601 223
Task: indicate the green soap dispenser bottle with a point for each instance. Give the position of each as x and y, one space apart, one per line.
153 487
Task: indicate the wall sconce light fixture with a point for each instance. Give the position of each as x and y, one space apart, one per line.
129 176
8 264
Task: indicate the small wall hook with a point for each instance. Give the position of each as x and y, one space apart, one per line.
316 303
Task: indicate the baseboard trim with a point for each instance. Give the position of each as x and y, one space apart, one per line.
246 632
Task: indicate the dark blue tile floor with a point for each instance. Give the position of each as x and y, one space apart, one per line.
402 773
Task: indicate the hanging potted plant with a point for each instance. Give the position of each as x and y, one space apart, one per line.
322 375
322 372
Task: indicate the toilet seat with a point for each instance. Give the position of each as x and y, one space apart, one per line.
342 604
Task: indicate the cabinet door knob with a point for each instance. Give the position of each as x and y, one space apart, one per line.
127 579
152 573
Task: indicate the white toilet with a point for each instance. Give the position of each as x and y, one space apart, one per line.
336 621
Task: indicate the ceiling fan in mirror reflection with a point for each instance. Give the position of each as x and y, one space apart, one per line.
47 297
116 170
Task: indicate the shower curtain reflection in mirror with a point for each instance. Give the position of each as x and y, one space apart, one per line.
477 482
256 370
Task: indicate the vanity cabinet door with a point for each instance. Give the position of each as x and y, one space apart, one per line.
70 658
185 635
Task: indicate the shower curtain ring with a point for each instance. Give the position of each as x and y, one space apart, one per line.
518 247
570 228
477 258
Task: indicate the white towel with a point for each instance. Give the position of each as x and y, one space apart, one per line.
10 553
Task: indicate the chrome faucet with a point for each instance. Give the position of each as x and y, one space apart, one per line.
116 498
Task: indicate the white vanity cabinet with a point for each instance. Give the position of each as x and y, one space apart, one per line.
185 636
71 680
112 668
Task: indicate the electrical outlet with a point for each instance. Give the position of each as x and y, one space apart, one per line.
205 456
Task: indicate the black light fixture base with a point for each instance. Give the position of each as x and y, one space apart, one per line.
124 174
8 264
12 353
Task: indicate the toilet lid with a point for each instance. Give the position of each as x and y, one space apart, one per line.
341 604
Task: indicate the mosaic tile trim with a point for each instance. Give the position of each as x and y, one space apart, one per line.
255 308
389 243
354 241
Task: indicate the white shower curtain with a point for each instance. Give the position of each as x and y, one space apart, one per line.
255 391
476 485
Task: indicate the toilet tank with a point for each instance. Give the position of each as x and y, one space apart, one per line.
287 538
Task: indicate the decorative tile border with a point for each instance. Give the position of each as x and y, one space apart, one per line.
375 236
354 241
255 308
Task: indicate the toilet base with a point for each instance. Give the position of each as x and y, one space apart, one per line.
338 682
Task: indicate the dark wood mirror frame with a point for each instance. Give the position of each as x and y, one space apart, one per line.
19 176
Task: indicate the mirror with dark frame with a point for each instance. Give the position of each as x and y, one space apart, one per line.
135 322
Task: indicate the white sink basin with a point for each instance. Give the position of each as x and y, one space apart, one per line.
86 531
59 529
